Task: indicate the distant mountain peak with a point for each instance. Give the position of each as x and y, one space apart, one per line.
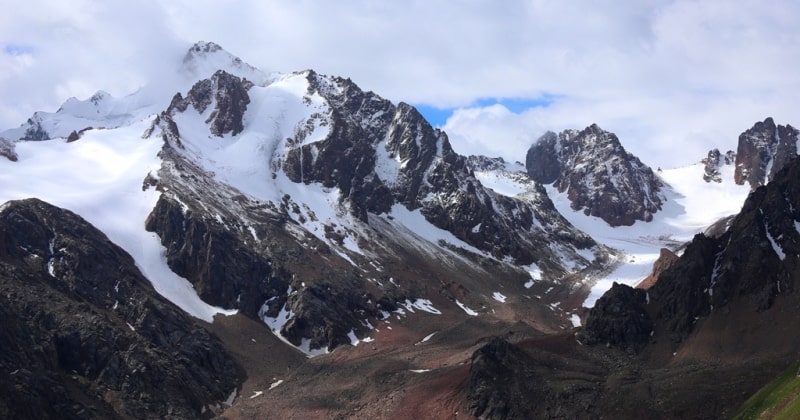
204 58
599 176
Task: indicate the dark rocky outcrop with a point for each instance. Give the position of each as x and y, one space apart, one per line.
7 149
35 131
598 175
713 162
619 319
228 96
85 335
224 270
534 379
763 150
495 382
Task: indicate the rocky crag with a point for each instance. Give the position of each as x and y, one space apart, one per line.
85 335
598 175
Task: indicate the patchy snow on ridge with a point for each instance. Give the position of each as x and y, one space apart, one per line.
99 177
692 205
505 181
464 307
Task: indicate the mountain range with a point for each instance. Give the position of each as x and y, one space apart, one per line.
273 245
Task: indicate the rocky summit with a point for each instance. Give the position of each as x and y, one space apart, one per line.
252 245
598 175
763 150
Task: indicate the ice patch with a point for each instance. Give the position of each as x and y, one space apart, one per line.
353 339
231 398
469 311
499 297
536 275
775 245
424 305
576 320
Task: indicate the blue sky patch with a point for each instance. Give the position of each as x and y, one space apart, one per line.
15 49
438 116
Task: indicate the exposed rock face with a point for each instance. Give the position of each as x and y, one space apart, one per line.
228 95
665 259
763 151
367 131
751 263
7 149
714 161
84 334
495 381
522 381
277 261
619 319
598 175
35 131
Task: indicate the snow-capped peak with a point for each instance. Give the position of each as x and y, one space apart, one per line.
204 58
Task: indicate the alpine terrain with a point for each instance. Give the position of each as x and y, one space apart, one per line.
254 245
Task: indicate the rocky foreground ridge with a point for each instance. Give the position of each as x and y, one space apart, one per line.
85 335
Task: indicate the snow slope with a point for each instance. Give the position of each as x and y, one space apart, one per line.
100 178
692 206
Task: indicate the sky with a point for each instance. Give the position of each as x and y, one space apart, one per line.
672 78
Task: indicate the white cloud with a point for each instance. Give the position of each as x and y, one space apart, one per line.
666 76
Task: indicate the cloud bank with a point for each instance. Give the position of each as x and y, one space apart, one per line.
671 78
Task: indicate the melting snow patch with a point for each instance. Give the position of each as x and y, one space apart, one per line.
576 320
499 297
427 337
535 273
422 305
275 384
353 339
775 246
252 232
469 311
305 346
419 370
256 393
231 397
